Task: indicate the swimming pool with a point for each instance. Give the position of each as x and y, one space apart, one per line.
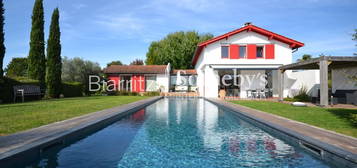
179 132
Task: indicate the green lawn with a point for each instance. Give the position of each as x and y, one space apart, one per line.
22 116
339 120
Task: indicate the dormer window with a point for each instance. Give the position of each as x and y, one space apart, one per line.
224 52
260 51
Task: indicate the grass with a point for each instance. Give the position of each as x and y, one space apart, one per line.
339 120
22 116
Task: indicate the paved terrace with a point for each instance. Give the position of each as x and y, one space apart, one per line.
342 145
322 63
32 141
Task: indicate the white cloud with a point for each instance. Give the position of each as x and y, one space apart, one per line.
122 23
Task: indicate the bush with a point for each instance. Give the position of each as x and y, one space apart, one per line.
69 89
289 99
7 84
151 94
302 95
25 80
72 89
123 93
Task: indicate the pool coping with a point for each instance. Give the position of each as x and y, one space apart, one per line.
26 146
337 149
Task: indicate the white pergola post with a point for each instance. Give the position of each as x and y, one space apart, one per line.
323 82
281 84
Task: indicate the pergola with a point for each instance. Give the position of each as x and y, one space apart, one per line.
323 63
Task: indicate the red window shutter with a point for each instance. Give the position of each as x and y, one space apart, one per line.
269 51
252 51
233 51
115 80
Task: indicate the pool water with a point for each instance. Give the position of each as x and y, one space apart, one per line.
182 133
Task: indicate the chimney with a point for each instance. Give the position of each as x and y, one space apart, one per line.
247 23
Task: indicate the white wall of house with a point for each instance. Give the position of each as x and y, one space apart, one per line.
310 79
341 79
211 82
211 55
162 81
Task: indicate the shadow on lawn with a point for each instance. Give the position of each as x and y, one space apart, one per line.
347 114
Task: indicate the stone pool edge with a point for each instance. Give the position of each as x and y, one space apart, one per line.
331 153
24 147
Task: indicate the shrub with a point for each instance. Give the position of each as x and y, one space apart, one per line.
26 80
72 89
302 95
69 89
7 84
123 93
151 94
289 99
134 94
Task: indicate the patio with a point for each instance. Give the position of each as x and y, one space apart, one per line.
324 64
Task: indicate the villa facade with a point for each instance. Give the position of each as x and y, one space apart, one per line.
239 63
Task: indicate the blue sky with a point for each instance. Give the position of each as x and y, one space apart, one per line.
107 30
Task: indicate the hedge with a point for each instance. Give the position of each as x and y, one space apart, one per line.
151 94
72 89
69 89
7 84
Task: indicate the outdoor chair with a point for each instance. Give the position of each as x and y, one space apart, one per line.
254 94
261 93
250 94
26 90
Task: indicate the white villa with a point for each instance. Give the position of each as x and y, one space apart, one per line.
239 63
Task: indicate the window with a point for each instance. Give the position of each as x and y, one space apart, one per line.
125 83
242 51
260 50
224 51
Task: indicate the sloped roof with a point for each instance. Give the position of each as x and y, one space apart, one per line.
136 69
292 43
185 71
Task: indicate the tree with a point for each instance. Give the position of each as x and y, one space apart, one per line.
137 62
176 48
2 34
354 37
114 63
54 63
37 60
78 70
305 57
17 68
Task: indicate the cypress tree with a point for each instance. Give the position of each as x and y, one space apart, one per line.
37 60
2 34
54 62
